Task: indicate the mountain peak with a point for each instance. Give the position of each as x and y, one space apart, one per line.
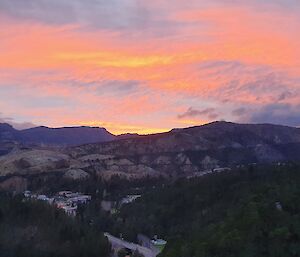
6 126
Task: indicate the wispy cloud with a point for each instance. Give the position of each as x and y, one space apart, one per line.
207 113
16 125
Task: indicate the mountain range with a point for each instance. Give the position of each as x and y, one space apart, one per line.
179 152
197 149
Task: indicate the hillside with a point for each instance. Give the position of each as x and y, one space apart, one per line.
216 135
179 153
246 212
183 152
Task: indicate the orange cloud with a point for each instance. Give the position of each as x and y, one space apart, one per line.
119 128
213 54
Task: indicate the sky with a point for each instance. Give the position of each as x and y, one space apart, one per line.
138 66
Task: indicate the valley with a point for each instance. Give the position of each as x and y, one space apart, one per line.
135 128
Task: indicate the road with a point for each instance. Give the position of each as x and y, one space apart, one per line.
118 243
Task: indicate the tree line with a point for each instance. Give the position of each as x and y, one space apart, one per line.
35 229
252 211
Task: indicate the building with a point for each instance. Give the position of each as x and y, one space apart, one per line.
143 240
70 210
27 194
221 169
80 199
129 199
64 193
158 243
65 200
42 198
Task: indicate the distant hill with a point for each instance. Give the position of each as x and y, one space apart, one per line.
8 133
67 136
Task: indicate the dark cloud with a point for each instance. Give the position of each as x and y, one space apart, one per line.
191 112
284 95
284 114
118 87
112 14
239 111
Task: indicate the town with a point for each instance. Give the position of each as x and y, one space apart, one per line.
69 201
65 200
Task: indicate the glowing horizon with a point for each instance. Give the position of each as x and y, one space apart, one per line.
138 66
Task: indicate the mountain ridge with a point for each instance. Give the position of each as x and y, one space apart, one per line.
183 152
216 125
64 136
177 153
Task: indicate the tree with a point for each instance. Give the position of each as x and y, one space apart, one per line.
136 253
122 252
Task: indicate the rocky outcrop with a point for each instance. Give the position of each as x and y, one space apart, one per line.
33 162
96 158
76 174
209 163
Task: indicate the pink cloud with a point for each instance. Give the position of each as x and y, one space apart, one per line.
212 54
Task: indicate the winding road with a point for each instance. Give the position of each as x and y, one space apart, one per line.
118 243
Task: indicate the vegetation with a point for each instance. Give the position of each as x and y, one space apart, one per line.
115 188
253 211
35 229
126 252
248 212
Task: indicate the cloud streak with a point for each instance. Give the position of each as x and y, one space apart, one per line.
191 113
16 125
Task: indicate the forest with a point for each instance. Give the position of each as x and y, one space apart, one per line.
35 229
252 211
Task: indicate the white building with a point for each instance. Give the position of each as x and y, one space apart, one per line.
64 193
65 200
80 199
27 194
129 199
42 198
70 210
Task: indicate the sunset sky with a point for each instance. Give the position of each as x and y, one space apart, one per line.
149 65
